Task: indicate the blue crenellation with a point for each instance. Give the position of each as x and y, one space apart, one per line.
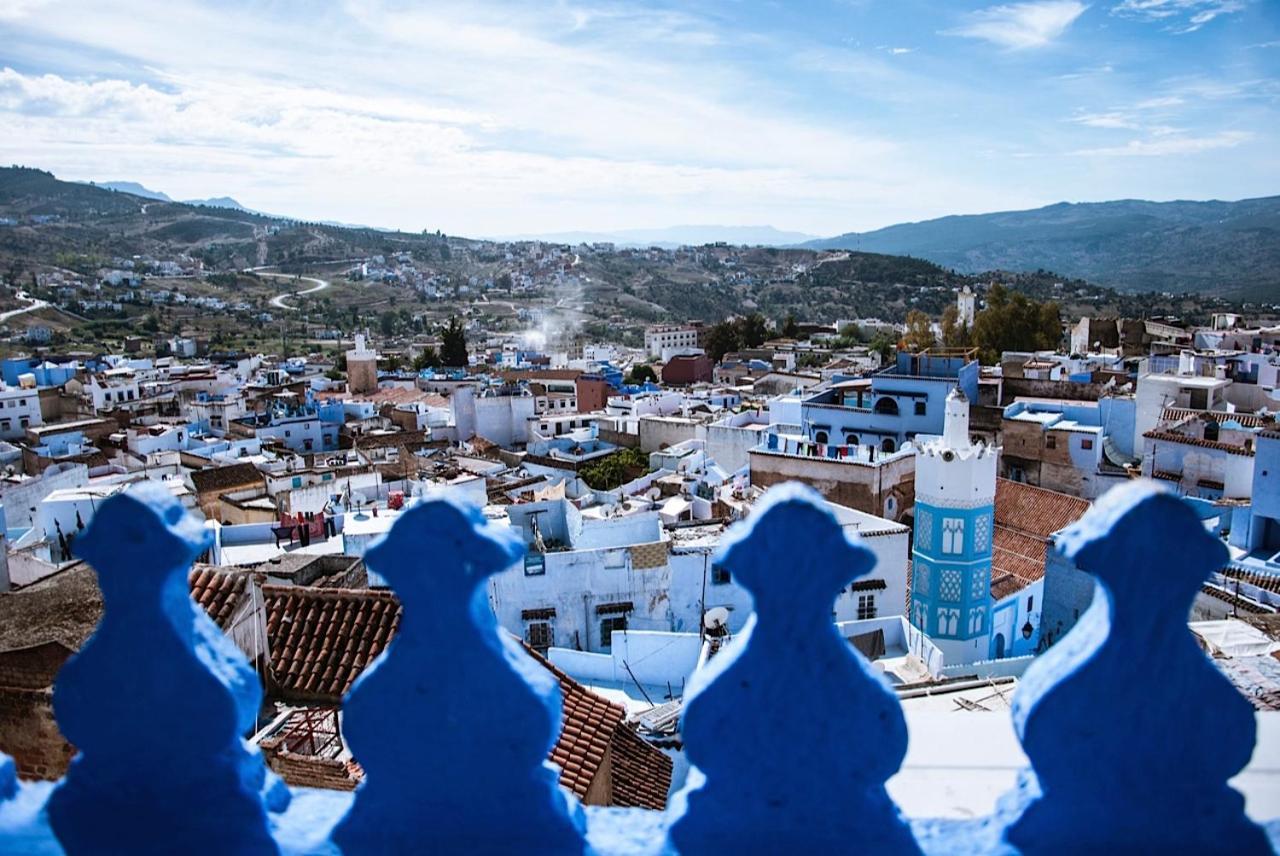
793 735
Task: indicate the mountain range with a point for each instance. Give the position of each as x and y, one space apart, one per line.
138 190
1226 248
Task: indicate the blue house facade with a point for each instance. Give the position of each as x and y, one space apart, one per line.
892 406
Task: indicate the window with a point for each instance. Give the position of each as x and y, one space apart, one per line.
1086 443
288 433
719 575
24 421
297 481
539 636
1050 442
608 626
866 606
921 408
1031 599
6 424
953 535
888 445
307 443
851 439
887 406
820 437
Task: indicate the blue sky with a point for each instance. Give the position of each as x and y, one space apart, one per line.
821 116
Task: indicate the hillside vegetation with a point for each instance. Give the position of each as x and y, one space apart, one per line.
1226 248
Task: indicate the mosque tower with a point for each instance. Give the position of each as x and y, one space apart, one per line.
954 520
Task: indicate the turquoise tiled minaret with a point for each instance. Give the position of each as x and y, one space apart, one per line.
951 557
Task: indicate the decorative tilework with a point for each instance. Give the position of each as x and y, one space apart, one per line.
979 584
982 533
924 530
949 586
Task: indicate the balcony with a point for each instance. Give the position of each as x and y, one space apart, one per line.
1122 737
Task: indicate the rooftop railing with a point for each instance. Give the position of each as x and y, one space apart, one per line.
1131 732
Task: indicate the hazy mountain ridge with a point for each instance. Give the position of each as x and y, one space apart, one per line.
1229 248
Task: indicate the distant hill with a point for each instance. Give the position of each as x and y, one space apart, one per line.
675 236
84 225
134 188
146 193
1225 248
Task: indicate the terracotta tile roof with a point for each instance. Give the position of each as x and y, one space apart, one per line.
1005 585
221 478
1174 437
641 773
1025 521
218 592
1246 420
1035 510
322 639
1017 555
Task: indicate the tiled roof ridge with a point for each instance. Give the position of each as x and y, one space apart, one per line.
1248 420
327 593
1172 437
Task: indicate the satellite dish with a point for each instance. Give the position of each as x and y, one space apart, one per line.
655 493
716 618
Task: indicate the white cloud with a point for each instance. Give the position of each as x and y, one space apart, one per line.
1106 120
1182 16
12 10
1019 26
1170 146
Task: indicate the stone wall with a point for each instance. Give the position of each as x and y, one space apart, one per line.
1024 387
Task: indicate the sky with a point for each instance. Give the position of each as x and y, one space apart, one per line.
496 118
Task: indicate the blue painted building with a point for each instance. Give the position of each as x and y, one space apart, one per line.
954 521
892 406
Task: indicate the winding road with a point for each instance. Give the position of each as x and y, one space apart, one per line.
278 300
22 295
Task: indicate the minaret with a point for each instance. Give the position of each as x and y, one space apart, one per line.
951 557
966 307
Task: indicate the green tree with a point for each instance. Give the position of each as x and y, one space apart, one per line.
1011 321
753 330
954 333
919 335
427 359
790 329
721 339
882 343
642 374
388 323
453 347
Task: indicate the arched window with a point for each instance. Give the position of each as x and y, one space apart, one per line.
820 437
887 445
851 439
887 406
1211 430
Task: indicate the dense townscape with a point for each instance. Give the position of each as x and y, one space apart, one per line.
556 388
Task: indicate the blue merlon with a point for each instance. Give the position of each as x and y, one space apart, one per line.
482 714
766 783
1154 783
157 701
793 734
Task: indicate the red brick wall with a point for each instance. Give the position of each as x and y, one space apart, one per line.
593 394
